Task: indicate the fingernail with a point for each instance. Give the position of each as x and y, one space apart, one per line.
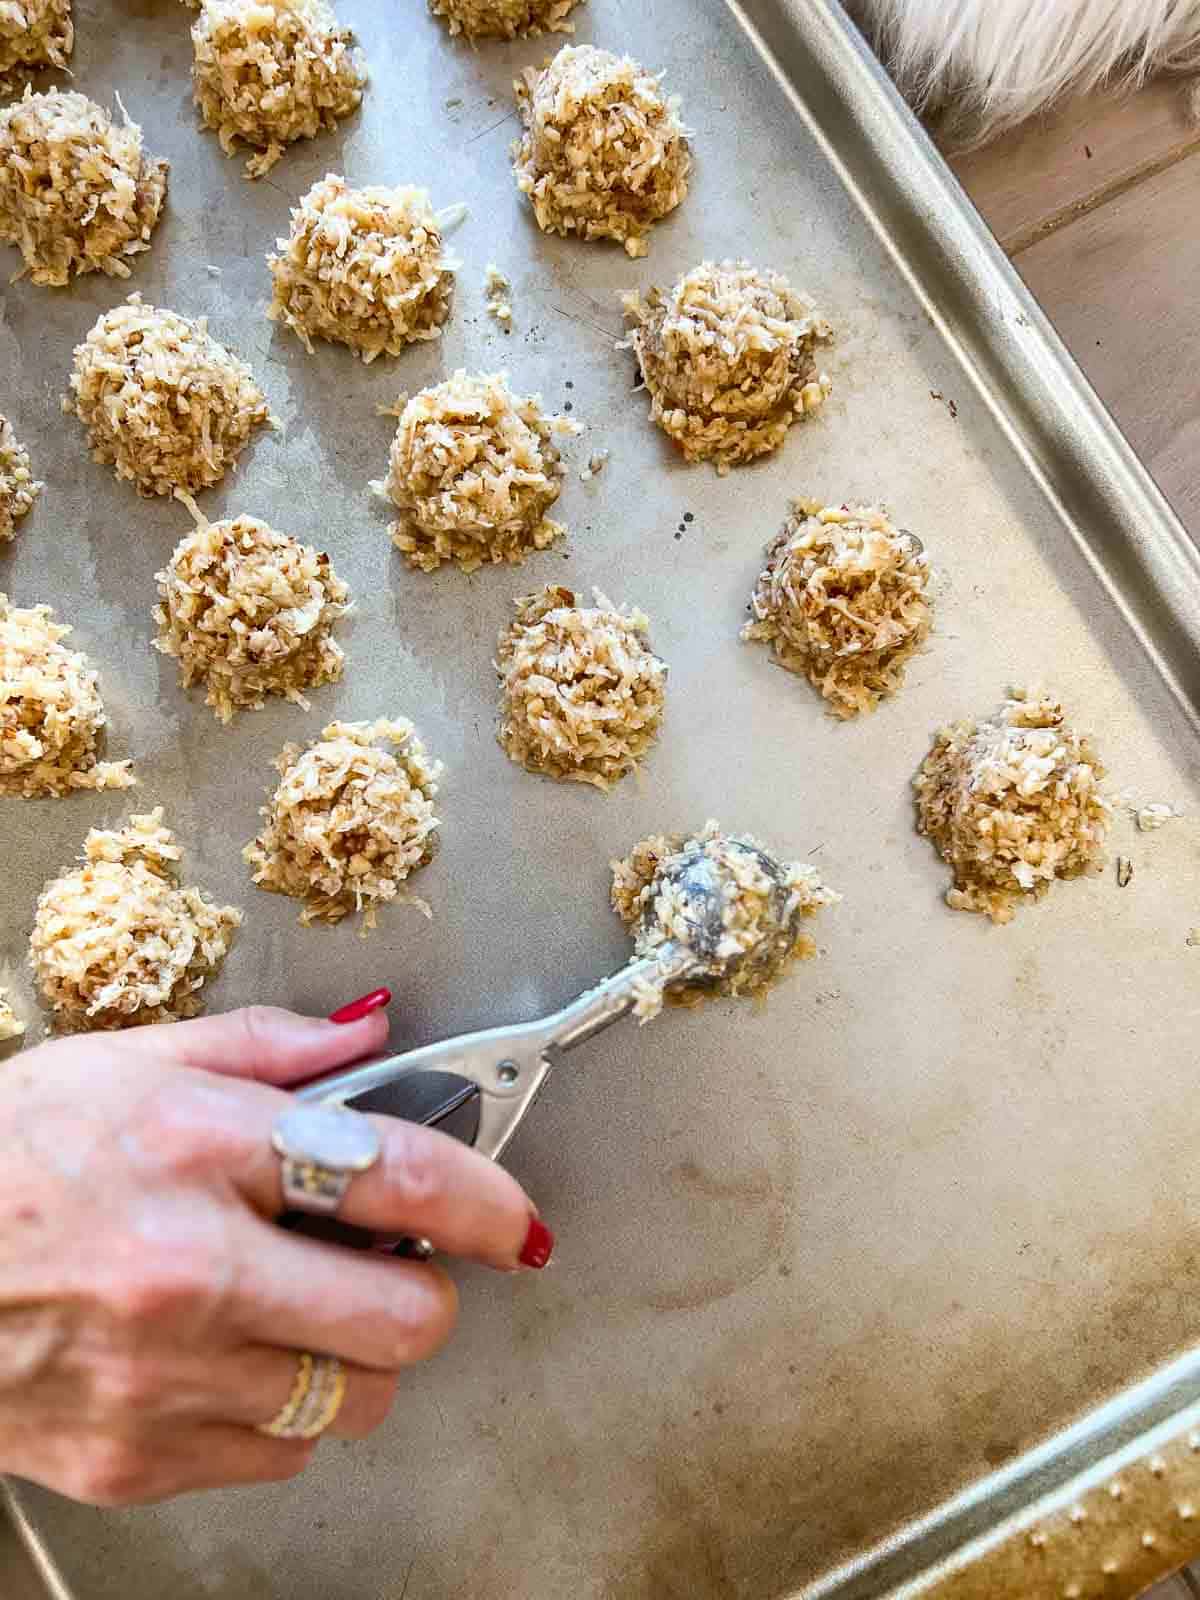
362 1007
538 1246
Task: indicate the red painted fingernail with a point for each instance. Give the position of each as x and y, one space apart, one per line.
362 1007
538 1246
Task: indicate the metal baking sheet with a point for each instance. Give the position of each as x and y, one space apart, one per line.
850 1292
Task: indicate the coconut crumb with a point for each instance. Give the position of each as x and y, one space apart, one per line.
77 194
249 612
18 489
729 357
52 719
596 465
364 268
33 34
1153 816
765 907
349 822
269 72
473 471
604 154
843 601
1012 803
11 1026
503 19
1193 939
582 694
162 401
498 289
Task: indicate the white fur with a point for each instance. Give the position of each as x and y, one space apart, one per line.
987 64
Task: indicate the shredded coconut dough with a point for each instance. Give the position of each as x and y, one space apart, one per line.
1011 803
270 72
765 905
729 357
473 471
51 716
33 34
248 612
18 490
843 601
11 1026
76 192
582 695
117 942
161 400
362 267
348 822
604 154
503 19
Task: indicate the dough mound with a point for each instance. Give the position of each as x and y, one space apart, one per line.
765 908
270 72
76 193
33 34
729 358
51 714
248 612
582 695
1011 803
604 154
18 490
348 822
362 267
117 943
11 1026
161 400
504 19
842 601
473 471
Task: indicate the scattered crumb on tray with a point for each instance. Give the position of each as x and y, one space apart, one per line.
595 466
604 154
473 470
729 357
1011 803
498 290
1153 816
843 601
33 34
51 716
1193 939
362 267
18 488
77 194
248 612
503 19
162 401
582 694
1124 872
349 822
765 907
269 72
117 942
11 1026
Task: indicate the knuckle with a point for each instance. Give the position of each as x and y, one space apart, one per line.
289 1461
149 1292
259 1025
110 1472
127 1382
424 1315
414 1170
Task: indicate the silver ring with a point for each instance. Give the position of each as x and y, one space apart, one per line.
321 1149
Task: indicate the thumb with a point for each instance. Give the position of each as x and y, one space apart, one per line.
270 1045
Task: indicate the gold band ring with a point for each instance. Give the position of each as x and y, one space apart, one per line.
316 1398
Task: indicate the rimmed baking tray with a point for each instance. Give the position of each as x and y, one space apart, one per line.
888 1288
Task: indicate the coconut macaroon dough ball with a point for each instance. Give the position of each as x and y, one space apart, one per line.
162 401
349 822
730 359
473 470
77 193
504 19
843 601
270 72
582 694
721 903
1011 803
362 267
117 942
33 34
52 719
604 154
249 612
18 488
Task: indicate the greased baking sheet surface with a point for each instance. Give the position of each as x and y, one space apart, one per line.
821 1264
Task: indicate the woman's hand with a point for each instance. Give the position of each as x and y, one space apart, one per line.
150 1310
